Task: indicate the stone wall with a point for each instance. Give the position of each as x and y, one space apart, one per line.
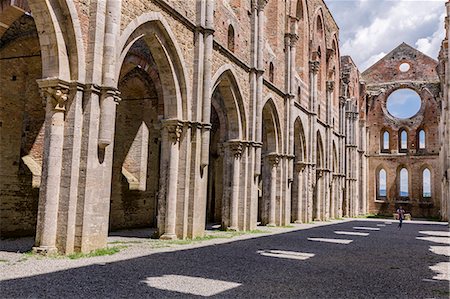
21 128
383 78
256 111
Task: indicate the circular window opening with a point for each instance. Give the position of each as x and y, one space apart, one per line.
403 103
404 67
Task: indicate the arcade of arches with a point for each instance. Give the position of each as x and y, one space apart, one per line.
239 114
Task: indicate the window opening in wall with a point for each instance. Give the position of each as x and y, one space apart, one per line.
404 183
271 71
426 183
385 141
382 183
422 139
404 67
403 103
231 38
403 140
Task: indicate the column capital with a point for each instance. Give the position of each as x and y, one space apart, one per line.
174 128
290 39
236 148
55 92
273 159
111 91
260 4
314 66
299 166
330 86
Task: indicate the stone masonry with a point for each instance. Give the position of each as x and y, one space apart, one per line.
176 114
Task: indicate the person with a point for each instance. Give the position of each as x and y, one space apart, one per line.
401 216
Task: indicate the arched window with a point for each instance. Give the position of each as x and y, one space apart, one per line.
299 10
382 183
426 183
271 71
421 139
319 27
403 140
385 145
404 183
231 38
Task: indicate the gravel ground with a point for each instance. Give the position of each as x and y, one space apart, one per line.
356 258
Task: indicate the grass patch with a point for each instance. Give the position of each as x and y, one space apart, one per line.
285 226
124 242
98 252
217 234
3 261
443 293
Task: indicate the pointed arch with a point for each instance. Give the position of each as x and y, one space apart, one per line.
403 181
302 45
402 140
155 31
335 166
426 183
271 128
320 153
299 141
58 29
230 102
381 182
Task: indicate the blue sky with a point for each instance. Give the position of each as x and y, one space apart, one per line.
403 103
369 29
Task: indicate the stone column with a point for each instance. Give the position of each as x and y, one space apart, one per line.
330 90
206 105
299 169
260 4
174 129
310 191
236 151
55 95
313 71
273 161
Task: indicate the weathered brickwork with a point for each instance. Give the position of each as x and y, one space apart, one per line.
444 124
383 78
21 118
173 114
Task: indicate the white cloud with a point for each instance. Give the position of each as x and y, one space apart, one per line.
372 59
371 28
430 45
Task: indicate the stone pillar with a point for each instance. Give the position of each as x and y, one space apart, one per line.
330 90
310 191
174 129
273 161
313 71
260 4
236 151
299 169
55 95
319 194
208 43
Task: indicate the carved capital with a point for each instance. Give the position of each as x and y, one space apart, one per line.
174 129
261 4
290 39
273 159
299 166
55 92
236 148
107 91
314 66
330 86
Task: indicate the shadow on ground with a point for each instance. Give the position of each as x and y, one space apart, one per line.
389 263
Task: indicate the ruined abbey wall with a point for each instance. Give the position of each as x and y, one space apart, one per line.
174 115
